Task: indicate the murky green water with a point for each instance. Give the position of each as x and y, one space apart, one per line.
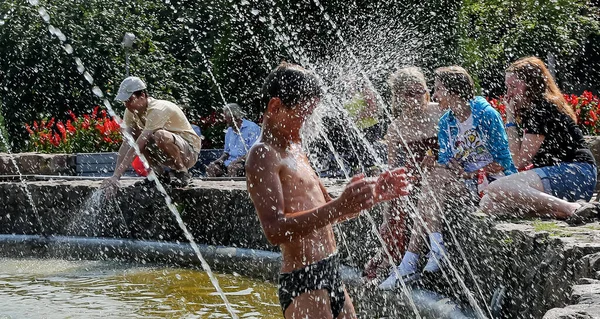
94 289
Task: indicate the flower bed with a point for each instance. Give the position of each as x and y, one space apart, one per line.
586 107
95 132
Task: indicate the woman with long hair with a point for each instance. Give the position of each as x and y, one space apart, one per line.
543 132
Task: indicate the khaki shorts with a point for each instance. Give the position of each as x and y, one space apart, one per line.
157 155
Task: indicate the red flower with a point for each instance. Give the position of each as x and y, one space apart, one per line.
107 127
50 123
86 122
70 127
95 111
55 139
73 116
29 130
593 116
61 128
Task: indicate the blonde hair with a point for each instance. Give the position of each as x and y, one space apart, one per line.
400 81
540 84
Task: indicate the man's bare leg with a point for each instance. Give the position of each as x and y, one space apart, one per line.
179 159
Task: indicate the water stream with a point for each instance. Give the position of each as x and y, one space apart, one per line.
129 139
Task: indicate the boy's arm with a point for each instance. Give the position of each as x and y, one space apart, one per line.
264 186
325 193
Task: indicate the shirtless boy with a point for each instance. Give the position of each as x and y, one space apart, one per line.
293 206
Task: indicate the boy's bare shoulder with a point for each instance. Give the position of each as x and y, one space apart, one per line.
262 154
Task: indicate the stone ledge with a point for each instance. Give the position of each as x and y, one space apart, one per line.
537 261
37 163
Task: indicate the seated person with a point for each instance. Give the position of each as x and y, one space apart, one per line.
542 130
414 123
161 131
293 206
472 142
240 136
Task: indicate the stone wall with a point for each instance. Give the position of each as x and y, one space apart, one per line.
536 262
37 164
220 214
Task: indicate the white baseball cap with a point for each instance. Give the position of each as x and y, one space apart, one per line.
128 86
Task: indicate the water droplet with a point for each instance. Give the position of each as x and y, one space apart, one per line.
61 36
80 66
255 11
34 2
88 77
68 48
44 14
97 91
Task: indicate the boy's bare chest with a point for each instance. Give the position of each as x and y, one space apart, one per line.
297 175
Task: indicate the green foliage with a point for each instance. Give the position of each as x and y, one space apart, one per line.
201 54
494 33
4 138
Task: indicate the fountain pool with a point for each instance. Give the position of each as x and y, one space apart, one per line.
55 288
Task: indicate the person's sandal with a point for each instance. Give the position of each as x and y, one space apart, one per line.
584 214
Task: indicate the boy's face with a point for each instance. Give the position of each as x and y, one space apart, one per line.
441 95
294 116
307 108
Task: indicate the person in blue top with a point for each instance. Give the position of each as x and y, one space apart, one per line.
473 151
240 136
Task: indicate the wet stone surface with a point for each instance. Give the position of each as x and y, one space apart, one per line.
547 269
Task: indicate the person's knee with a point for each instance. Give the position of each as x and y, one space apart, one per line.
162 138
486 204
500 188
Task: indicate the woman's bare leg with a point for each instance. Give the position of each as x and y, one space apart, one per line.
523 194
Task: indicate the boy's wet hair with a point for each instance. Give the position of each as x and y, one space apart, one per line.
292 84
456 80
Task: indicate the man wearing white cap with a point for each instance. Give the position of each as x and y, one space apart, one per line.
162 133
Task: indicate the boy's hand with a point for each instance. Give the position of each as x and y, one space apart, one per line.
391 184
358 195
